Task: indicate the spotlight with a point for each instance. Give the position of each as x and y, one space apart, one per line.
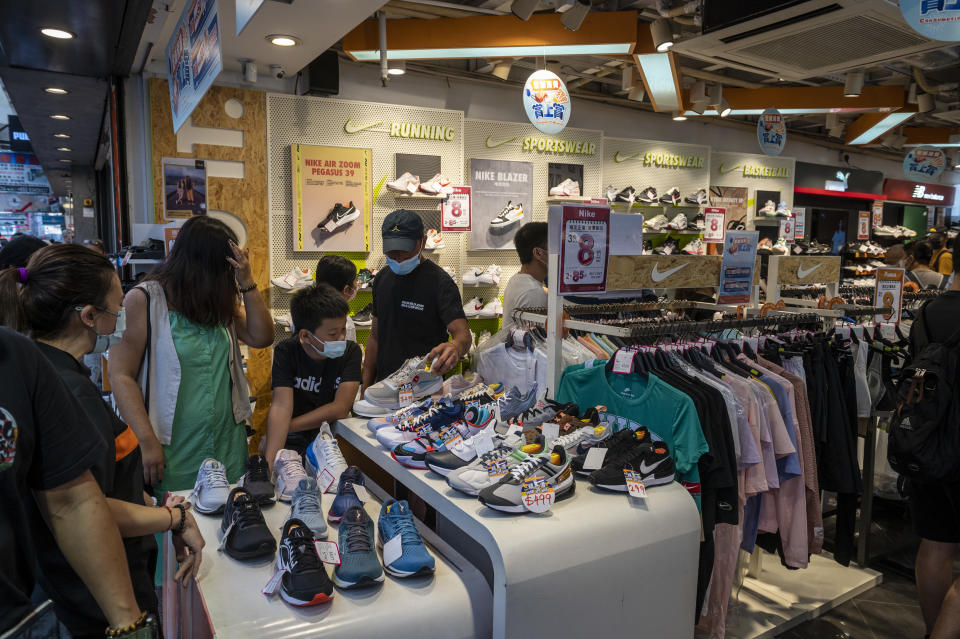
853 85
833 120
397 67
58 34
678 116
926 103
281 40
56 90
502 69
912 94
699 106
698 91
575 15
523 9
715 96
662 34
724 108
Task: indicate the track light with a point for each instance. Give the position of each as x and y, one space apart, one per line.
523 9
637 92
575 15
698 92
699 106
853 85
662 34
502 69
715 96
833 120
912 93
678 116
926 103
724 108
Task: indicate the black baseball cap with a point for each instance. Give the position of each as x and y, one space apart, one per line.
402 230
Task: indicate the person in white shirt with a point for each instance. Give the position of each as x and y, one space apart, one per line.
525 289
341 274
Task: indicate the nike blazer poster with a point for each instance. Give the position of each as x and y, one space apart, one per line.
502 201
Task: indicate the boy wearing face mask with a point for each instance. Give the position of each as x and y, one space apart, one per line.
316 373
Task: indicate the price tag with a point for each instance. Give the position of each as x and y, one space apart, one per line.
290 280
126 258
583 251
271 588
635 486
325 480
392 550
863 225
406 393
361 492
623 361
483 443
455 210
450 436
537 494
787 233
330 226
714 224
550 430
497 469
594 458
328 551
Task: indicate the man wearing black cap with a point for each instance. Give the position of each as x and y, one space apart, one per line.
415 305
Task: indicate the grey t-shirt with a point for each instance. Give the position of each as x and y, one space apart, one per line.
523 291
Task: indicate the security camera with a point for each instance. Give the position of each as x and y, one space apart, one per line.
277 71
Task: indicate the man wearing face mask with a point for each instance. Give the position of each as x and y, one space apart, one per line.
415 305
316 373
525 289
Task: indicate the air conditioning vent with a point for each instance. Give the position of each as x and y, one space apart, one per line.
783 23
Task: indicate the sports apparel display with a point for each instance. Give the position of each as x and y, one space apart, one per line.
324 455
567 188
407 184
306 506
346 496
305 581
359 565
397 520
413 373
243 532
212 489
508 216
257 480
287 473
340 215
296 279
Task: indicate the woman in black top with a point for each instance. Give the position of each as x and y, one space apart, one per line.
69 300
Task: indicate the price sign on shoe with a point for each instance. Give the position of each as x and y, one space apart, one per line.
450 437
537 494
406 393
497 469
325 479
328 552
635 487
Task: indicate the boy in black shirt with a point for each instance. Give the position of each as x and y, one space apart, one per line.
316 373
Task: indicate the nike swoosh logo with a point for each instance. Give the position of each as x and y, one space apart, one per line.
349 127
623 158
492 144
658 276
802 272
646 470
730 170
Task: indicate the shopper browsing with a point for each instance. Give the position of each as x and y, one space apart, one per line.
177 374
341 274
525 289
415 305
918 257
316 373
942 258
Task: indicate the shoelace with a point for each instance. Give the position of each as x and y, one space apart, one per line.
416 422
409 535
303 554
260 472
214 477
405 372
306 503
332 453
246 513
357 539
496 454
292 468
569 439
524 468
627 455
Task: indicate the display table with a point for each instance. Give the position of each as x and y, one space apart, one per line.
596 563
226 600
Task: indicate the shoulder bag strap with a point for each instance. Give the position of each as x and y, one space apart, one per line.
146 352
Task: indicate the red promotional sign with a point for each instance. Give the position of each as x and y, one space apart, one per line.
584 248
918 192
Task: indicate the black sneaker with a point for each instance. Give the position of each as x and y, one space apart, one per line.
647 247
257 481
651 461
243 532
626 195
699 222
364 317
617 442
669 247
648 195
340 215
305 581
365 276
671 197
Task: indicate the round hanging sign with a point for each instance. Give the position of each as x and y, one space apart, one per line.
546 102
771 132
924 163
934 19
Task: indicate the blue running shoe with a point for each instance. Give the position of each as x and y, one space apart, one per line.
396 519
359 564
346 496
436 419
305 506
409 412
514 403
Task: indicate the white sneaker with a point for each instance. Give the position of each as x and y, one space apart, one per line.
610 193
769 209
678 223
296 279
284 320
452 272
472 277
473 307
783 211
492 309
437 185
657 223
696 247
406 183
491 276
567 188
212 489
287 473
324 454
434 240
510 215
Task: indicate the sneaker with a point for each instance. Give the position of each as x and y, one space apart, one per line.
406 183
617 442
567 188
780 247
459 383
475 476
386 392
669 247
307 508
472 277
671 197
359 564
296 279
363 408
340 215
491 276
473 307
508 216
257 480
626 195
769 209
247 534
396 519
700 222
365 277
699 198
610 193
305 581
695 247
212 489
437 185
394 418
285 320
648 195
443 462
452 272
492 309
783 211
413 454
364 317
678 223
515 403
651 460
571 441
542 411
647 247
657 223
555 468
764 246
324 454
287 473
346 496
434 240
435 419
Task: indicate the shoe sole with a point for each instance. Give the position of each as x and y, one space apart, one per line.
319 598
216 511
409 463
364 582
520 508
401 574
622 488
367 323
445 472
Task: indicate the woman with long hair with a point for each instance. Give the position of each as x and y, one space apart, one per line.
177 375
68 299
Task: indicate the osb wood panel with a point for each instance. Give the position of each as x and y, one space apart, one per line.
246 198
816 270
631 272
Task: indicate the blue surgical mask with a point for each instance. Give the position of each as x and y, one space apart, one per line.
331 350
104 342
404 267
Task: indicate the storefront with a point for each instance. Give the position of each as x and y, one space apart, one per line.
918 205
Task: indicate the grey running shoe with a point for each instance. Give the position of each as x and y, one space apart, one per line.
386 392
306 507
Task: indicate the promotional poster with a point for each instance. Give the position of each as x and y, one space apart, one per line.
502 201
194 58
331 197
184 188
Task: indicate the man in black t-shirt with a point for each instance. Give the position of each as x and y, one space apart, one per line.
316 373
415 305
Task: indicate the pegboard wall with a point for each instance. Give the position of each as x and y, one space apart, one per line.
754 171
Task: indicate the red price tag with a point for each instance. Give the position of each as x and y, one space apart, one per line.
715 225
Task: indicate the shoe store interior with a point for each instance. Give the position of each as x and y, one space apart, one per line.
336 319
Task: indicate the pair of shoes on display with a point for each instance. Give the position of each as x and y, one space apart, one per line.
567 188
434 240
364 317
628 450
365 277
770 209
483 277
296 279
669 247
415 372
507 217
695 247
409 184
339 216
212 490
476 308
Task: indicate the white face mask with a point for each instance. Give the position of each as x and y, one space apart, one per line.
104 342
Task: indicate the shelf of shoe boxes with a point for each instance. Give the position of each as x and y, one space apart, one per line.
662 165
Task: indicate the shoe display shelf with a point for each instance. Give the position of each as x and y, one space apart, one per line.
226 600
671 232
596 561
413 196
571 199
643 206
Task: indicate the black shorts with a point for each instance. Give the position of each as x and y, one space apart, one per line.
935 510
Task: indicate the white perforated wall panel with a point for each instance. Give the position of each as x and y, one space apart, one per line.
741 169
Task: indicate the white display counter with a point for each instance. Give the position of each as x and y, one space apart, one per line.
597 563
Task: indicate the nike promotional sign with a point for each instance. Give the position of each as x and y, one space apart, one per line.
583 249
737 266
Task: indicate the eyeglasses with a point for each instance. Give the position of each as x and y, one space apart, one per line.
99 308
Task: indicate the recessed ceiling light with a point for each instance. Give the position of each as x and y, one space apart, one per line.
282 40
59 34
64 149
66 161
60 116
56 90
62 136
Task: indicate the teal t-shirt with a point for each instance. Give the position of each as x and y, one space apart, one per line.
631 402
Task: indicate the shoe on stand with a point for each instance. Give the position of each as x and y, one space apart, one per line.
491 276
437 185
256 480
678 223
324 454
287 473
657 223
473 307
508 216
243 532
364 317
306 506
648 195
567 188
699 198
212 489
492 309
406 183
671 197
651 461
359 565
627 195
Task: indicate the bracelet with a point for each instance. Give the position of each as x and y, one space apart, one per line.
183 520
248 289
139 623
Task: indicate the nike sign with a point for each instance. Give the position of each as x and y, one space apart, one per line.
804 272
349 127
729 170
646 470
658 276
492 143
623 158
